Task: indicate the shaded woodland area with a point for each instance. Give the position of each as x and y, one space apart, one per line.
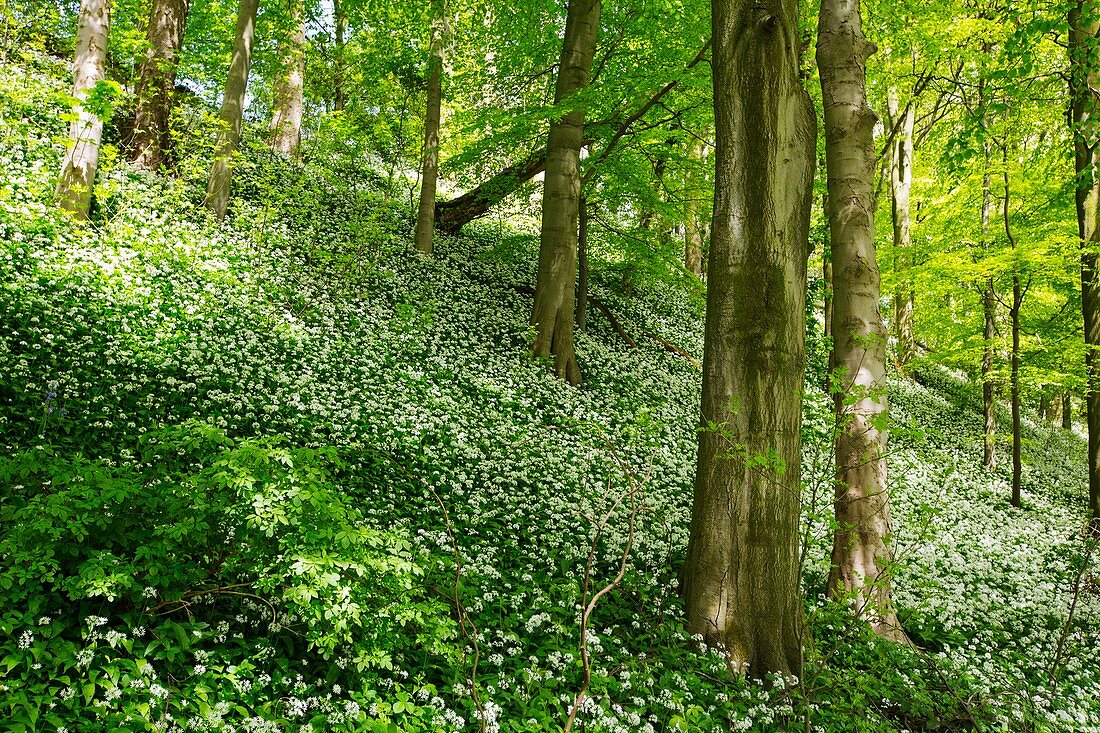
551 366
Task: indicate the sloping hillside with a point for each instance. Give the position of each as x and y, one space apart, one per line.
285 473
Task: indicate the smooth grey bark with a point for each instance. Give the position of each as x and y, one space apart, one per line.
1084 23
555 288
78 167
157 82
861 556
901 187
232 112
286 111
741 577
429 173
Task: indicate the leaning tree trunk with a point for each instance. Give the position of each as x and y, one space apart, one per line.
901 185
286 112
1084 23
429 173
555 289
229 137
157 82
741 579
861 556
78 167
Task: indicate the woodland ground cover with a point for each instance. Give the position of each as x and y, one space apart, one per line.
227 449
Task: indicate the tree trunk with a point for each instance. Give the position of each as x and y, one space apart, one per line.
286 112
861 556
1084 22
1017 301
78 167
1045 410
555 288
901 185
451 216
340 17
582 264
1067 411
157 82
693 218
989 311
741 581
429 173
229 136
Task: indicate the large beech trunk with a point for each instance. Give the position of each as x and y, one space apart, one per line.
555 289
901 186
741 579
157 82
229 137
861 556
1084 22
286 112
78 167
429 174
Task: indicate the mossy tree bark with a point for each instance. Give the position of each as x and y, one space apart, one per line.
232 112
78 167
286 112
1084 23
429 173
861 557
157 82
555 289
741 584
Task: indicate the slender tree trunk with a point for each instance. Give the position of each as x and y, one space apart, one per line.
232 112
582 264
1045 410
340 17
901 185
152 139
741 581
693 220
989 311
1017 301
1084 23
429 173
78 167
555 289
861 556
1067 411
286 113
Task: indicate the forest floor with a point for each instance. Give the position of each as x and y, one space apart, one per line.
284 473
